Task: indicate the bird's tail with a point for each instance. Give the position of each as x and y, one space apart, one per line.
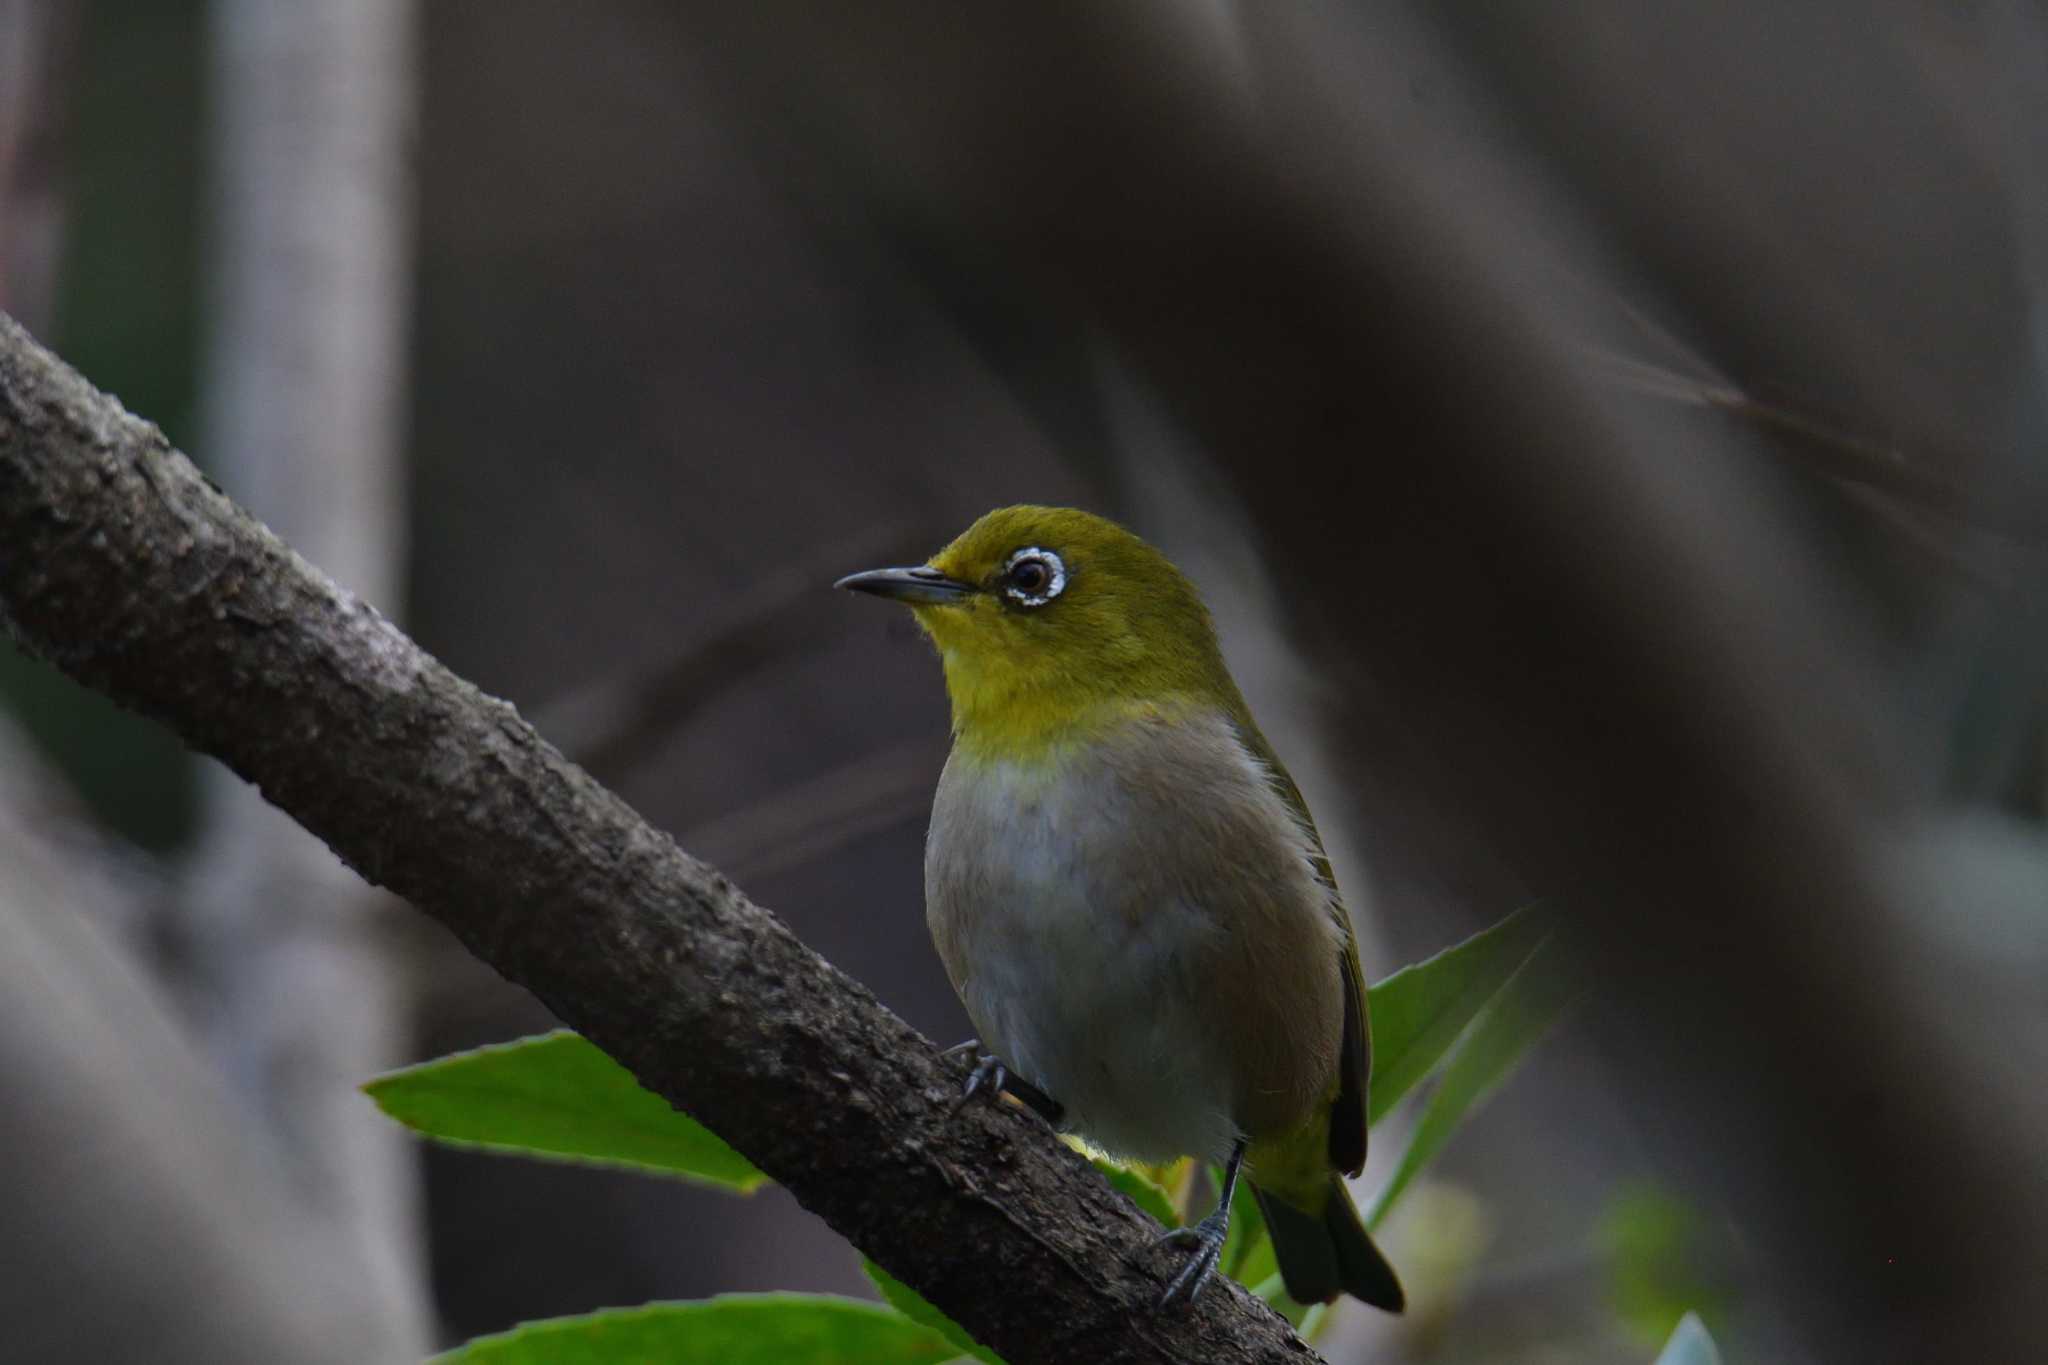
1326 1252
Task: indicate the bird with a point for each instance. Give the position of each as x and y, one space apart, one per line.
1128 892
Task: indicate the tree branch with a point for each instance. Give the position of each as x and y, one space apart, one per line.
127 569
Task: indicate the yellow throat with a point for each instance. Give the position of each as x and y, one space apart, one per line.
1049 647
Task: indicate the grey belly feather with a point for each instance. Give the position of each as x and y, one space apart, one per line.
1137 930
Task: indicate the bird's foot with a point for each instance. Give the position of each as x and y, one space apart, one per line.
990 1077
1206 1240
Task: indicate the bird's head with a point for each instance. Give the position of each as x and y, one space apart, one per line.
1047 618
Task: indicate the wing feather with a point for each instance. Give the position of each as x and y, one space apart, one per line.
1347 1111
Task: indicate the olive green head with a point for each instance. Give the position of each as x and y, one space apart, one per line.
1046 617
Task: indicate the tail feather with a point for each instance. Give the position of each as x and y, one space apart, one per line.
1324 1254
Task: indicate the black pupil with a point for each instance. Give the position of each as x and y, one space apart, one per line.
1029 575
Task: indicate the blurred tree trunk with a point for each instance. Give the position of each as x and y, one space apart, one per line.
293 970
143 1220
35 47
161 1227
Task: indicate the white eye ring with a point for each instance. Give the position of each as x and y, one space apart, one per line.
1055 582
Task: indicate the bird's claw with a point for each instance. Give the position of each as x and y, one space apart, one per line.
989 1073
1206 1238
989 1076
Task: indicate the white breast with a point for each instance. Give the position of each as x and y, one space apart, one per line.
1087 913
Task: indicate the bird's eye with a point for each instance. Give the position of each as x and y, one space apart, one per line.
1034 576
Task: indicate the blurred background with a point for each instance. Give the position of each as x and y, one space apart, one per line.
1611 437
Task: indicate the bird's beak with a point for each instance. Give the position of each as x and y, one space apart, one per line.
919 585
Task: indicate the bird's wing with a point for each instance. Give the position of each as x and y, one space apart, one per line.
1347 1113
1354 1067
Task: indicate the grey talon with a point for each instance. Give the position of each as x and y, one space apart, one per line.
989 1072
1206 1237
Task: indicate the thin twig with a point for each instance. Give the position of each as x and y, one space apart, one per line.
808 821
606 725
1832 449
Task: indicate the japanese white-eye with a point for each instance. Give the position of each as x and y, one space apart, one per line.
1127 890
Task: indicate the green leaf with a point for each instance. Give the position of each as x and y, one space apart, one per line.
1661 1260
1177 1177
1510 1024
732 1329
558 1098
1144 1191
922 1311
1419 1011
1690 1345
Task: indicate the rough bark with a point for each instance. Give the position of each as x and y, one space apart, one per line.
127 569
